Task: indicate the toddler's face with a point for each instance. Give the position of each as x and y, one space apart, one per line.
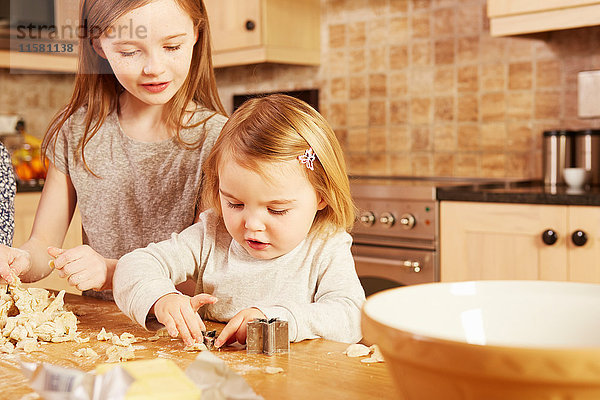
268 217
150 50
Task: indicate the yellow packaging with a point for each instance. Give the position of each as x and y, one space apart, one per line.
156 379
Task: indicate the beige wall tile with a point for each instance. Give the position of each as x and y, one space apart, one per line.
358 87
468 137
443 164
519 105
444 137
420 26
398 139
443 108
520 75
493 77
337 36
420 110
377 139
398 57
444 79
358 113
399 111
377 113
493 107
444 51
548 74
468 78
421 53
468 108
420 138
377 85
547 104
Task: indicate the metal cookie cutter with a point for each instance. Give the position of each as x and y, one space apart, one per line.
267 336
209 338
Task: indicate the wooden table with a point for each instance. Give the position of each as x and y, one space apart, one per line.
312 369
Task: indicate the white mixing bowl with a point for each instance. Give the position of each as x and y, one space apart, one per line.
490 340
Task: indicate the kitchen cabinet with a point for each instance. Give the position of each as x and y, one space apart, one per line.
514 17
243 32
25 208
258 31
480 240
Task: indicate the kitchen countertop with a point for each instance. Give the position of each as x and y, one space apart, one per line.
312 369
533 192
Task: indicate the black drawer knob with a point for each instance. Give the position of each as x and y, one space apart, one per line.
579 238
549 237
250 25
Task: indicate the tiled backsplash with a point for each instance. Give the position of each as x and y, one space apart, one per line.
412 87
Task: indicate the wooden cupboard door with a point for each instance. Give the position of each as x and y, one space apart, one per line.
229 22
501 241
584 261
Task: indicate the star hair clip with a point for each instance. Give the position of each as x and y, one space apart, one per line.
308 158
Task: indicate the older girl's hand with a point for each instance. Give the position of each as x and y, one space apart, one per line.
83 267
13 262
179 314
236 328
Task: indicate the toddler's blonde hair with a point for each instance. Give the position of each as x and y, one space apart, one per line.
279 128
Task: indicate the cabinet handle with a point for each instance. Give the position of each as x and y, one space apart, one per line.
250 25
579 238
549 237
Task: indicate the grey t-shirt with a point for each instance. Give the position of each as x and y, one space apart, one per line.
143 192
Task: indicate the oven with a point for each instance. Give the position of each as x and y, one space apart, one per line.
395 237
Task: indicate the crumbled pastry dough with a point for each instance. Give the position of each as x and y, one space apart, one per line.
153 338
85 352
103 335
28 345
31 315
357 350
81 340
375 357
125 339
118 353
273 370
196 347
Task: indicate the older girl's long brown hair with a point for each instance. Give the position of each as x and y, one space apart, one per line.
98 90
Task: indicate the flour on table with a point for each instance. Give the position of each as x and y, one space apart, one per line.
31 315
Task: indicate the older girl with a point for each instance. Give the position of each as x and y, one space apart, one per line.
128 148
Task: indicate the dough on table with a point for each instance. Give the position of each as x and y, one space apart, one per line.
31 315
357 350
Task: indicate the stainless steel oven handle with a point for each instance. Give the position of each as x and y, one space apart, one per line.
415 266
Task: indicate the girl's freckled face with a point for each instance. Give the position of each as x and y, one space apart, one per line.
150 50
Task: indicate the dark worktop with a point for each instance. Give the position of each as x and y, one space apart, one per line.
533 192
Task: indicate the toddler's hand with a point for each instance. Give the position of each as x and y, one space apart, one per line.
236 328
13 262
179 314
83 267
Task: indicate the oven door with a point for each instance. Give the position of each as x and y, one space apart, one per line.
383 267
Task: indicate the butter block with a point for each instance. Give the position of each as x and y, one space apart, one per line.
155 379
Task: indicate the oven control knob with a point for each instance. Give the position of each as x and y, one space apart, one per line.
367 218
387 219
407 221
